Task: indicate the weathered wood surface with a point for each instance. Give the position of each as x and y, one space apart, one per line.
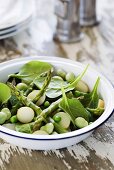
97 48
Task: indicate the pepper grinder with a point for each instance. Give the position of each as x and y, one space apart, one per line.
68 27
88 13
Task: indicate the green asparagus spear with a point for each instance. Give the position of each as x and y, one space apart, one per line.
45 113
44 87
24 99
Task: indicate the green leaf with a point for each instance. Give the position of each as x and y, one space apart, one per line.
54 84
31 70
5 93
97 111
54 88
24 128
73 107
90 100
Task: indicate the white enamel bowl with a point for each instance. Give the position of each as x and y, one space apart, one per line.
45 142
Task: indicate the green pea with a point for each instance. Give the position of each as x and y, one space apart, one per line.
7 112
46 104
57 118
61 73
3 117
65 120
22 86
81 122
14 119
70 77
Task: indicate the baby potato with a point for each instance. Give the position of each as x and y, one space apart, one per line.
25 114
32 96
40 132
3 117
22 86
82 86
64 119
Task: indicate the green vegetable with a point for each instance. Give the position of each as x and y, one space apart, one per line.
64 119
14 119
5 93
24 128
7 112
55 90
13 100
97 111
22 86
46 104
81 122
90 100
58 128
78 94
49 127
24 99
15 108
73 107
3 117
46 112
31 70
56 118
69 94
44 86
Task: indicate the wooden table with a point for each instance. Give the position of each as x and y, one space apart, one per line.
97 48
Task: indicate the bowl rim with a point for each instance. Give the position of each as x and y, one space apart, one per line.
72 134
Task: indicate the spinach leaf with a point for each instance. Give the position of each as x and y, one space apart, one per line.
5 93
31 70
90 100
54 88
73 107
54 84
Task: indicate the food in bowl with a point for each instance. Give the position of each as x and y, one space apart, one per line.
43 100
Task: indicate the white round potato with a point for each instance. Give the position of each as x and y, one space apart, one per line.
40 132
25 114
33 94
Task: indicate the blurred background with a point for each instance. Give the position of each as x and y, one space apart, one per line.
34 24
